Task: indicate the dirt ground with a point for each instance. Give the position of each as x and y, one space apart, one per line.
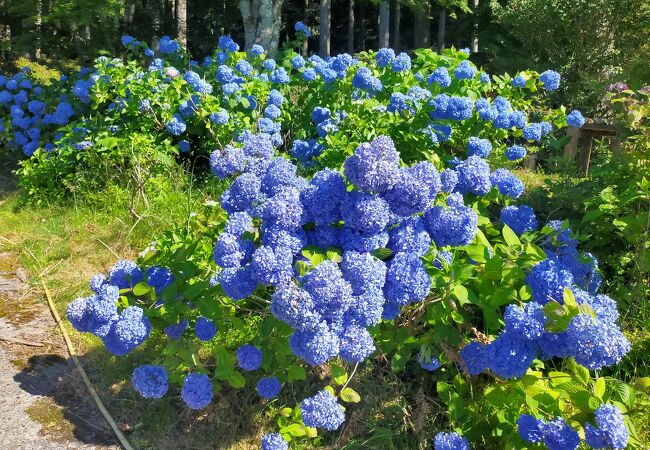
43 402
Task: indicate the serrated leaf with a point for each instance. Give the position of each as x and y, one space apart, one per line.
599 387
460 292
349 395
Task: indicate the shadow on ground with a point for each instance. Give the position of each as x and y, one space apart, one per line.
8 180
66 399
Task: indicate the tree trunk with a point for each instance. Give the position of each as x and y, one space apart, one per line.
442 23
362 29
181 22
422 26
475 27
5 32
325 22
262 20
155 22
129 14
397 16
351 27
305 20
384 24
38 20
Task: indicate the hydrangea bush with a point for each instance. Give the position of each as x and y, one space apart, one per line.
369 210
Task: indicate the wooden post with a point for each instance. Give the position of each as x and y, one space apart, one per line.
571 148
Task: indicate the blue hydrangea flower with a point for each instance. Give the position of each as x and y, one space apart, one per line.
366 308
409 195
484 78
356 344
269 387
519 218
474 355
159 278
474 176
479 147
410 236
322 411
595 343
550 79
401 63
430 364
351 239
256 50
302 28
127 332
448 180
125 274
465 71
365 212
610 430
272 265
227 162
515 152
507 183
205 329
441 76
384 57
407 280
519 81
241 193
363 271
331 293
575 119
558 435
548 280
374 167
150 381
509 356
197 391
533 132
316 345
309 74
176 126
526 323
295 307
176 330
455 225
237 283
249 357
450 441
274 441
530 428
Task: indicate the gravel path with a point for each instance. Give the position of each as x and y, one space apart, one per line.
43 403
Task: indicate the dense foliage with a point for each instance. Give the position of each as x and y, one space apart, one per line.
369 209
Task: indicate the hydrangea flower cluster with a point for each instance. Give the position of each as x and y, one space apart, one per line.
594 341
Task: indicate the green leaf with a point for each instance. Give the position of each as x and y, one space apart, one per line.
460 292
330 389
382 253
314 254
295 430
510 237
141 289
599 388
349 395
236 380
296 373
339 375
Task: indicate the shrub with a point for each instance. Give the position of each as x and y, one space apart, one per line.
380 232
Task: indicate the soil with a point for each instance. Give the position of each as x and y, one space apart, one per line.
43 402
